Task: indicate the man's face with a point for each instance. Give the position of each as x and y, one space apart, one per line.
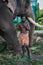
24 19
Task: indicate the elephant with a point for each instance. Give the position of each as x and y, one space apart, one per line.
9 9
7 29
23 8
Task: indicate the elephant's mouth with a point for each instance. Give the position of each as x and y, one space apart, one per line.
34 23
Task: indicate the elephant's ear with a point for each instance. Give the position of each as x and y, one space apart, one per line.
34 23
12 5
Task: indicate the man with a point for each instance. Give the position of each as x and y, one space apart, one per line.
24 35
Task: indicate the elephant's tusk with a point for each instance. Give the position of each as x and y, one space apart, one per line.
34 23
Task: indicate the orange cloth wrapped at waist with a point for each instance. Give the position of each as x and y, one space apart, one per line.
24 38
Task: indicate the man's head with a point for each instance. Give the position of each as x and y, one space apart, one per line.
23 18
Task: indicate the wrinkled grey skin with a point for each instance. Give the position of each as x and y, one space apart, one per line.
7 30
6 26
23 8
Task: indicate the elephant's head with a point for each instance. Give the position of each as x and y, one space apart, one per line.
16 4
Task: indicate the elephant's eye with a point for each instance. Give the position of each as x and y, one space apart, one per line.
5 1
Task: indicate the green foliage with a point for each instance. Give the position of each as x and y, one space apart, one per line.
37 62
2 46
15 61
8 59
12 60
39 17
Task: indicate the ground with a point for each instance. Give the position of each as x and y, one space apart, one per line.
7 58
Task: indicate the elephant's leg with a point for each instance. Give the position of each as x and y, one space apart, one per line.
9 32
11 40
32 27
31 34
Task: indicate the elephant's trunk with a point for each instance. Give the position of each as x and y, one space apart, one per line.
34 23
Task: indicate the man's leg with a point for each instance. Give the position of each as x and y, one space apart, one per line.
23 49
28 52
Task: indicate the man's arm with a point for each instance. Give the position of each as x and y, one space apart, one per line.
27 26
